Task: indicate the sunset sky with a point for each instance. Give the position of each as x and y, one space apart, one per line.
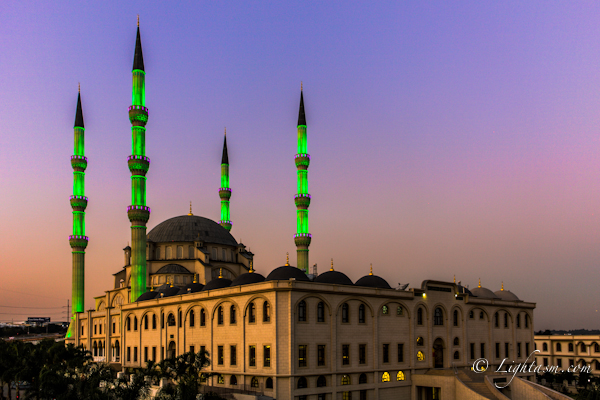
445 139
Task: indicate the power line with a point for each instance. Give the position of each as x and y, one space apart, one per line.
30 294
35 308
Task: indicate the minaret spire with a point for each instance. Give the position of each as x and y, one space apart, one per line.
302 199
225 190
78 240
138 212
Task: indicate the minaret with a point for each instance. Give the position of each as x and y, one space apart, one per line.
225 190
78 240
302 199
139 164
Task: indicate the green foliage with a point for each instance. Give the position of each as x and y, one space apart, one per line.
591 393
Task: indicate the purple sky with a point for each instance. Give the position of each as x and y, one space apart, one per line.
445 139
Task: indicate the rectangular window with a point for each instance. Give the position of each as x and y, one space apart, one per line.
220 355
145 353
101 329
192 349
497 350
527 348
518 350
232 355
153 353
162 352
252 356
400 352
135 354
472 345
506 350
545 362
202 349
345 354
321 355
559 363
267 356
386 353
128 353
571 362
362 353
482 350
114 327
302 355
95 329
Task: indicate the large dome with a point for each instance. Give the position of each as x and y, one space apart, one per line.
188 228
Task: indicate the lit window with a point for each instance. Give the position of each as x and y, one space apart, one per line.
420 356
385 311
385 377
345 379
399 310
420 341
400 376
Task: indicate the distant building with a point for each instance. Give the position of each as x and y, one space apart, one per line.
569 350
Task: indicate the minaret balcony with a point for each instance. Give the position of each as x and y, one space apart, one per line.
302 201
78 203
139 214
139 114
225 193
302 161
302 239
78 241
138 165
226 224
79 163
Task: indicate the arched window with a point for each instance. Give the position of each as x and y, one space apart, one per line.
302 383
480 314
266 311
95 349
420 316
558 347
100 352
168 255
202 317
385 310
269 383
345 312
596 348
518 321
506 320
302 311
496 320
399 310
179 252
361 314
321 381
526 321
456 355
153 321
162 320
420 341
438 316
158 253
251 313
320 312
420 356
583 349
545 347
455 317
146 322
456 341
192 319
220 315
345 379
233 380
254 382
471 314
135 323
385 377
570 346
220 379
400 376
171 320
232 317
128 323
180 319
362 378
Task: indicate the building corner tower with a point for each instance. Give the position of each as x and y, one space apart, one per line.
138 212
225 190
78 240
302 198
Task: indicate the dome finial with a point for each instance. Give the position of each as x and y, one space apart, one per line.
251 270
138 20
172 279
371 272
287 259
454 278
220 273
502 288
301 86
479 282
79 87
331 269
195 278
190 209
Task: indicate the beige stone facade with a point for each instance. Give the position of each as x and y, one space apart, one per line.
565 351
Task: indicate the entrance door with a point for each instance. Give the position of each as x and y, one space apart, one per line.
438 353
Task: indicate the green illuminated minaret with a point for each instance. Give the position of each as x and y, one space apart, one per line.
78 240
302 199
139 164
225 190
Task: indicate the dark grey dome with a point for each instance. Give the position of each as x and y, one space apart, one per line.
464 290
163 287
218 283
373 281
506 295
247 278
285 273
171 291
173 269
335 277
195 287
188 228
147 296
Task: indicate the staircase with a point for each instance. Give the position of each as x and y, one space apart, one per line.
476 383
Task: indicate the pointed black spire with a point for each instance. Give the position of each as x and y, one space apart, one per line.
138 58
79 113
301 116
225 158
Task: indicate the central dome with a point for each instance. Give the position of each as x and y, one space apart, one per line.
188 228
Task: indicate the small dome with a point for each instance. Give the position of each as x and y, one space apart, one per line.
373 281
171 291
218 283
334 277
285 273
195 287
506 295
247 278
173 269
148 296
163 287
483 293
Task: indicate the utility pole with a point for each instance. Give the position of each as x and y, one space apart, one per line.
68 309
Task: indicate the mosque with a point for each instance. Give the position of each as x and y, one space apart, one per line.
189 285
